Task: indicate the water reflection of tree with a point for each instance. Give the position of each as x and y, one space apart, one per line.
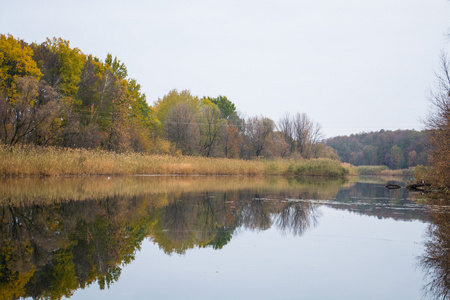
297 217
50 250
436 259
255 214
376 200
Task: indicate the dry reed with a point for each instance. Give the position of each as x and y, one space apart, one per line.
20 161
384 171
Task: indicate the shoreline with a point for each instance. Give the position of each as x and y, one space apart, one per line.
55 162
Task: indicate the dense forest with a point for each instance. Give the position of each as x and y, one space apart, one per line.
396 149
54 95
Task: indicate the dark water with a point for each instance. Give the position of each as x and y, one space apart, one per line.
219 238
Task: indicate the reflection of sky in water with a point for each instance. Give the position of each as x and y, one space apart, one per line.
345 256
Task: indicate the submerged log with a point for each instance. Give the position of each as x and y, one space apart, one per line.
420 187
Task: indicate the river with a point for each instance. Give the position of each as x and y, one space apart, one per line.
197 237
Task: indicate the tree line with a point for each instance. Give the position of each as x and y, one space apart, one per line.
54 95
398 149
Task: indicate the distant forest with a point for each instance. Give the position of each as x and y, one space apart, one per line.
396 149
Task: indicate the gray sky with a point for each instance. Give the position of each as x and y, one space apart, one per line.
351 65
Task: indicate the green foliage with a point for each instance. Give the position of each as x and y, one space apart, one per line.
118 68
71 62
272 168
422 173
371 170
319 167
144 114
227 108
211 126
223 237
63 278
169 101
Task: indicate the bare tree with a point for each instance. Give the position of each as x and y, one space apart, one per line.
285 126
230 139
435 260
438 123
301 133
257 131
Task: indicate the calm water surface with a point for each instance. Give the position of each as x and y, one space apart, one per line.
219 238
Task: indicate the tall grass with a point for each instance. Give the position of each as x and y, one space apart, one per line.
320 167
19 161
383 170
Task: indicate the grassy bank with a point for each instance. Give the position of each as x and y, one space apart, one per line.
383 170
61 162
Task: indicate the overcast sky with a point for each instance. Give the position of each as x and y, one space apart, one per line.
351 65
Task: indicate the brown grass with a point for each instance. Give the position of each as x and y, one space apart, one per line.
383 170
18 161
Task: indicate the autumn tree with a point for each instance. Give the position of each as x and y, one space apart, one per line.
300 133
15 61
439 124
211 126
169 101
286 128
230 140
118 68
182 129
90 115
307 133
145 126
227 108
70 63
94 104
277 146
30 113
435 260
230 136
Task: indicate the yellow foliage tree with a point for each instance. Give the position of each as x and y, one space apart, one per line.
15 61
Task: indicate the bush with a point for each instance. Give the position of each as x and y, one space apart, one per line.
321 167
370 170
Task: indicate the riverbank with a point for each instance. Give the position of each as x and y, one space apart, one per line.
384 171
23 162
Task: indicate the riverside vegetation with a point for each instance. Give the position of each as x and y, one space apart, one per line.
19 161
